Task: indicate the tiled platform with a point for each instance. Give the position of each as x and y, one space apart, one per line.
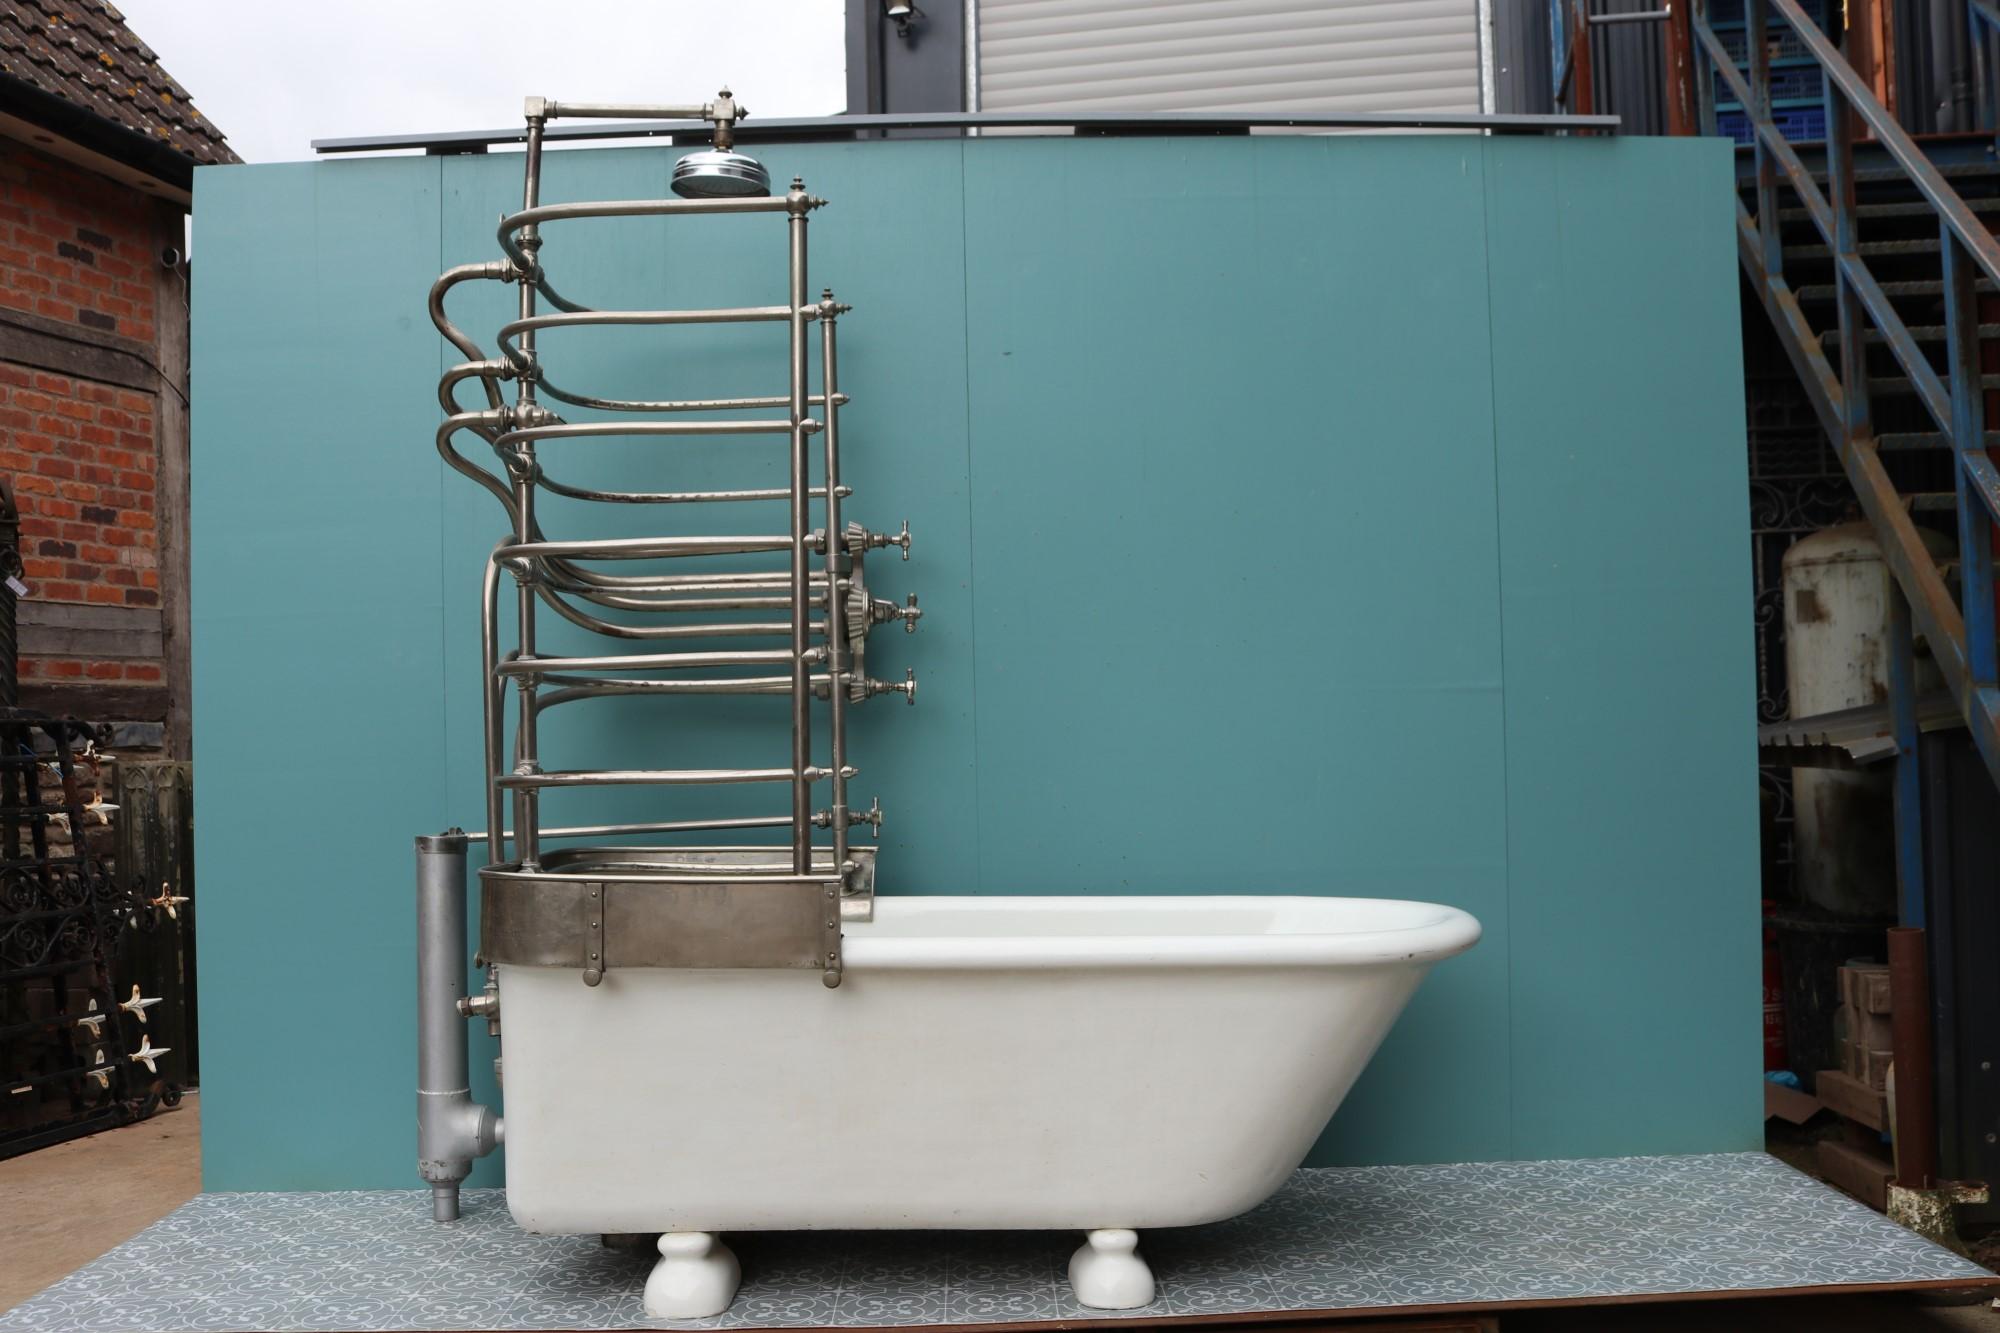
1376 1238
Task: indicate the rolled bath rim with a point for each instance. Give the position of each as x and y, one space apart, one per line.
919 932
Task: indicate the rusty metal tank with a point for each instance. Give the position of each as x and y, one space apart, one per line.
1836 591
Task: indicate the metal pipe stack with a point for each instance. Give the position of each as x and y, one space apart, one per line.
813 608
799 587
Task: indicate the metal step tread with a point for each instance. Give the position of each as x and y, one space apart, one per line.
1923 333
1901 383
1899 441
1897 176
1824 291
1865 249
1919 209
1945 169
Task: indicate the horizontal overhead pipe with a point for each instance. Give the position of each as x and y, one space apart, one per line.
536 666
657 826
781 129
641 777
641 548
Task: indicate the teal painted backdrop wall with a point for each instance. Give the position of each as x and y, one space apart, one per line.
1321 515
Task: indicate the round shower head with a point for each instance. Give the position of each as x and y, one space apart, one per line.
719 173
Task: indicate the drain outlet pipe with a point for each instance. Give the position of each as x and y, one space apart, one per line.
452 1129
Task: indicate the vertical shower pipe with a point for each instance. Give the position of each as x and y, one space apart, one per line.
836 597
801 574
492 696
527 814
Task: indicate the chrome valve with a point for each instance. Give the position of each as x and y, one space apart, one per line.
907 687
860 539
881 611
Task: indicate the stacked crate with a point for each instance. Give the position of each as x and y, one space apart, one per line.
1798 85
1858 1160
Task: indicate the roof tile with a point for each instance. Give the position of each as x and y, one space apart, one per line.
82 52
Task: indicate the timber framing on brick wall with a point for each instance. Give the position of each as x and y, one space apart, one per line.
93 433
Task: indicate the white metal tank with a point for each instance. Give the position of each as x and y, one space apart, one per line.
1836 589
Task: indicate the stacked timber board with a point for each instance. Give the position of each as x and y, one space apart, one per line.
1858 1161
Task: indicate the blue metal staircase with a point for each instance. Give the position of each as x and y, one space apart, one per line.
1887 333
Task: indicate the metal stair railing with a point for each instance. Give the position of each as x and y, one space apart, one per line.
1959 631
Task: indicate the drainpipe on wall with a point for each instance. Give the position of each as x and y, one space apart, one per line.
1951 67
10 572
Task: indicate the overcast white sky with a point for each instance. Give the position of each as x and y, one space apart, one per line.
277 74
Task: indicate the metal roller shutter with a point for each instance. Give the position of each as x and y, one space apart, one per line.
1304 56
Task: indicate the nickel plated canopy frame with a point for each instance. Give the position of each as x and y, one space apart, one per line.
596 906
788 614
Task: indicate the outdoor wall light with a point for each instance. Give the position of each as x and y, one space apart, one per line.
901 13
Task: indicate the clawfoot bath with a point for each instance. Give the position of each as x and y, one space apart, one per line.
1098 1064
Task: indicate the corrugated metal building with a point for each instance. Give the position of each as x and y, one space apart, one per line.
1305 56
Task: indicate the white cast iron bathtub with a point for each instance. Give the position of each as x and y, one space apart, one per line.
1104 1064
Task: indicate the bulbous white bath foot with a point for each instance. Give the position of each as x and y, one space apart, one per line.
696 1277
1108 1274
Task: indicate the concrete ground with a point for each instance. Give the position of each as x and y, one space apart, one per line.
63 1206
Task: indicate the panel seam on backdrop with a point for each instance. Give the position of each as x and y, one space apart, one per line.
971 546
1500 612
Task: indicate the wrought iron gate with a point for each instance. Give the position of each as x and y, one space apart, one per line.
79 1049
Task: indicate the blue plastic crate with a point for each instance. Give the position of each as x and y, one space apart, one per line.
1731 11
1788 82
1798 124
1793 81
1784 44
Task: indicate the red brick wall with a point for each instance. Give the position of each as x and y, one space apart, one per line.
77 246
82 456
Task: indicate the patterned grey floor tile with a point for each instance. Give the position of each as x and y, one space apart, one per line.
978 1303
909 1271
127 1317
560 1282
999 1258
287 1283
782 1278
1217 1295
863 1306
460 1311
55 1311
1067 1307
619 1313
793 1309
1332 1289
365 1261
